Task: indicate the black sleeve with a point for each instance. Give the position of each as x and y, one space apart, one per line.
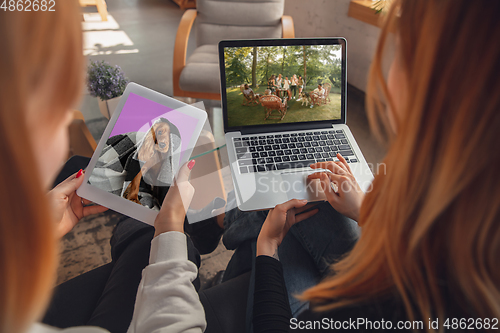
271 310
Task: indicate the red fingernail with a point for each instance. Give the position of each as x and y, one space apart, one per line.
191 164
79 173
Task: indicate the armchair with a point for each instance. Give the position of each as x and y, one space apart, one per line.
198 77
249 98
102 8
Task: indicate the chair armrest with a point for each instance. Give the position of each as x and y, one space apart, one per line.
81 141
78 115
180 47
287 25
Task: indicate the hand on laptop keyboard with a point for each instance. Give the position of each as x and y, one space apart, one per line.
349 196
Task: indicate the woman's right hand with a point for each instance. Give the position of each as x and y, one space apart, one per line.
349 196
176 202
279 220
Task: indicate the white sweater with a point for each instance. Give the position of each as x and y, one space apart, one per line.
166 299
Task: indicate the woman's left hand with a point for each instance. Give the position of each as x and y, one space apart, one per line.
279 220
67 207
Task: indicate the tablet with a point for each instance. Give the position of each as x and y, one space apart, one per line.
148 138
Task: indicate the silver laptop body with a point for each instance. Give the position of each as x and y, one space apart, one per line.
271 141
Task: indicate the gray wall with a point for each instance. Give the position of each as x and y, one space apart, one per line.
328 18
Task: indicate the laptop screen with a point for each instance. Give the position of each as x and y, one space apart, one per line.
285 81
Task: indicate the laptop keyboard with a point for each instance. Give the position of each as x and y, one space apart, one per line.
259 153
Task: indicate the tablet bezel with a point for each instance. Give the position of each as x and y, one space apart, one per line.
120 204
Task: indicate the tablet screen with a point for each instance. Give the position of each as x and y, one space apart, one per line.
143 152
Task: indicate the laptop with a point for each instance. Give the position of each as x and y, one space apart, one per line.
284 108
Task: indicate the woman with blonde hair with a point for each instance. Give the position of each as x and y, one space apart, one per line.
427 257
279 80
41 79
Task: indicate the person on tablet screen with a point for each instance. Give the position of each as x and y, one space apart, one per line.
140 166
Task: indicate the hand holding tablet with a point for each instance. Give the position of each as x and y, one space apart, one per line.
173 211
148 138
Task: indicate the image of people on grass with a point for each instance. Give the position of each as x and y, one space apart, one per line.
283 84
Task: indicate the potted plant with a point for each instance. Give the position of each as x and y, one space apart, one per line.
107 83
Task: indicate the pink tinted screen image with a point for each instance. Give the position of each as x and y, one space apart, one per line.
139 111
140 158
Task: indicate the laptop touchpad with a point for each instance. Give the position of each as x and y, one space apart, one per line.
296 186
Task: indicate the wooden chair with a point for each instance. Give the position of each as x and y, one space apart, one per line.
185 4
81 142
315 99
198 77
102 8
249 98
271 103
318 99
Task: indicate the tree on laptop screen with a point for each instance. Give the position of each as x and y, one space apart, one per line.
283 84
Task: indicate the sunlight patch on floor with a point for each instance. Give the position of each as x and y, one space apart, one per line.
104 37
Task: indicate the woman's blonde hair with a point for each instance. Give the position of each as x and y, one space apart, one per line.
431 225
41 70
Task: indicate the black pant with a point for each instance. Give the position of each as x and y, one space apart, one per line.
294 89
105 296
